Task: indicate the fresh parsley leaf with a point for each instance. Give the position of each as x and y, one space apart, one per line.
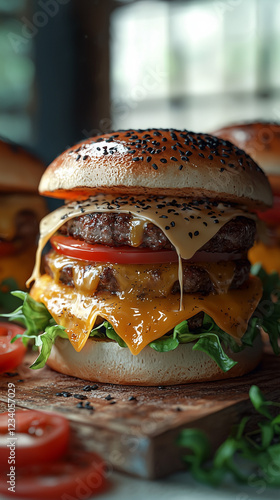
261 461
259 402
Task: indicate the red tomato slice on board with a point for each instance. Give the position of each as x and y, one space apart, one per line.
115 255
11 355
79 475
39 437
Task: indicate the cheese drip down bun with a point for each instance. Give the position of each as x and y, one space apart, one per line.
150 250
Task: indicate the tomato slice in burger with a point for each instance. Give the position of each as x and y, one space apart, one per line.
81 250
77 476
39 437
11 354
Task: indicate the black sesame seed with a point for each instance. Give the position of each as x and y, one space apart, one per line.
163 217
64 394
222 169
164 139
188 153
181 166
223 162
132 398
210 157
174 147
205 224
154 166
190 235
172 223
85 157
80 396
80 405
163 160
184 158
173 158
136 159
201 154
196 233
148 159
78 157
88 388
216 221
109 397
167 228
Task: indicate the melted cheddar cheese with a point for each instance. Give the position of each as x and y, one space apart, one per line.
139 322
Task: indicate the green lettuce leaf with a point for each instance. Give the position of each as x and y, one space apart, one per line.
106 330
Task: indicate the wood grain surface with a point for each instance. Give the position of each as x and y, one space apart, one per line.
135 428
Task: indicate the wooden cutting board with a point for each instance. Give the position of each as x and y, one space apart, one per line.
135 428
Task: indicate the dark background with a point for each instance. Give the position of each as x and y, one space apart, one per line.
73 68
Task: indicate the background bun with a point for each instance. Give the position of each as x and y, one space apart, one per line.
104 361
261 140
160 162
20 171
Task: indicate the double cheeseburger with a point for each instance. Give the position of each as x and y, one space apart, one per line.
21 209
261 140
148 273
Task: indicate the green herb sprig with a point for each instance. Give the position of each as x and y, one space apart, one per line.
258 450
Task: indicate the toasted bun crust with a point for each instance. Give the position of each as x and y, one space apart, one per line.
20 171
157 162
104 361
261 140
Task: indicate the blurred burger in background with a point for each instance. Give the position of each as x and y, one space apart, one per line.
261 140
21 209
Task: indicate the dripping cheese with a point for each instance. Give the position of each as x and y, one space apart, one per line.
140 322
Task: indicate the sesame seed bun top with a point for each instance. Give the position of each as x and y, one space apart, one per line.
20 171
157 162
261 140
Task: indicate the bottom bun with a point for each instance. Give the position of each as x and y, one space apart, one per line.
105 361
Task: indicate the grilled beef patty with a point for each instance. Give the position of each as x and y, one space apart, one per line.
195 278
114 230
